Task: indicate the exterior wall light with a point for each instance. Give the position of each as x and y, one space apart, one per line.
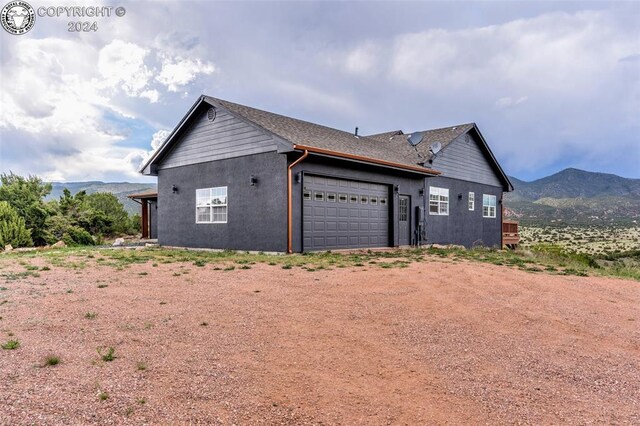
421 192
174 189
396 188
253 180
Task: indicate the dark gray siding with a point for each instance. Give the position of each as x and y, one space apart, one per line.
153 219
257 215
461 226
225 137
464 159
409 184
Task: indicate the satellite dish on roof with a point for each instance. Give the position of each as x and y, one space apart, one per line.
435 147
415 138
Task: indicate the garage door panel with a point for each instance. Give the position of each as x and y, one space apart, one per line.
340 213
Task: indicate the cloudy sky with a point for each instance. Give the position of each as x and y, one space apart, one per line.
551 85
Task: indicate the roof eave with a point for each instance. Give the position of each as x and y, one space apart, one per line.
366 160
161 150
509 185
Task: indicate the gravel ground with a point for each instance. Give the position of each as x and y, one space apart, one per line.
438 342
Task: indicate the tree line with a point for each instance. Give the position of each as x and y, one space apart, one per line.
26 219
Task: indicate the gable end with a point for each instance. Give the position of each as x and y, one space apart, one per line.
467 158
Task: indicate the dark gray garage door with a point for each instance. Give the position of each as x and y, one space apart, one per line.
340 213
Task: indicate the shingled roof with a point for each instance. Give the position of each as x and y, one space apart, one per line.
389 149
444 135
304 133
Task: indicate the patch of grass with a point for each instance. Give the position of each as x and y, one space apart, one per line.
103 285
571 271
90 315
204 323
230 268
245 267
11 344
163 303
45 268
142 401
287 266
143 273
200 262
176 274
103 396
51 360
13 276
141 366
69 291
107 355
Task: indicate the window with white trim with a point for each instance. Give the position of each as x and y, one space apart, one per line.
211 205
472 201
438 201
488 205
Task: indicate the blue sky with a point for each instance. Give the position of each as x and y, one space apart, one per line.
550 84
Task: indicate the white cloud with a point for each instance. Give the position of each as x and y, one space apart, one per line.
570 75
158 138
508 101
72 101
363 59
152 95
136 159
123 64
178 72
551 52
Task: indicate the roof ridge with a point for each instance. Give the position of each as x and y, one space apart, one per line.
449 127
225 102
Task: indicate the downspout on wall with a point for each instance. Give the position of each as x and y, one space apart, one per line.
290 200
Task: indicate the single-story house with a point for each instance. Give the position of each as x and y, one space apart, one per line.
236 177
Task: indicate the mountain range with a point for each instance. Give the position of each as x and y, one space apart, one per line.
569 196
575 196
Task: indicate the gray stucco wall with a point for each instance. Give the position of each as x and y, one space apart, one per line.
153 219
464 159
408 184
461 226
257 215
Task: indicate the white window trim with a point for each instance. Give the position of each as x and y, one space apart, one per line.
491 209
210 206
472 201
440 193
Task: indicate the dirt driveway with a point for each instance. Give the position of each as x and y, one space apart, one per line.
434 343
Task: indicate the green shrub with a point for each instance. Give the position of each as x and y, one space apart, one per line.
26 196
107 356
76 236
51 360
11 344
13 229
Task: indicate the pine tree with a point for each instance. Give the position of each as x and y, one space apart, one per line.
12 228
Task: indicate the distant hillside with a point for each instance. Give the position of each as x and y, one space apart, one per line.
574 195
119 189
